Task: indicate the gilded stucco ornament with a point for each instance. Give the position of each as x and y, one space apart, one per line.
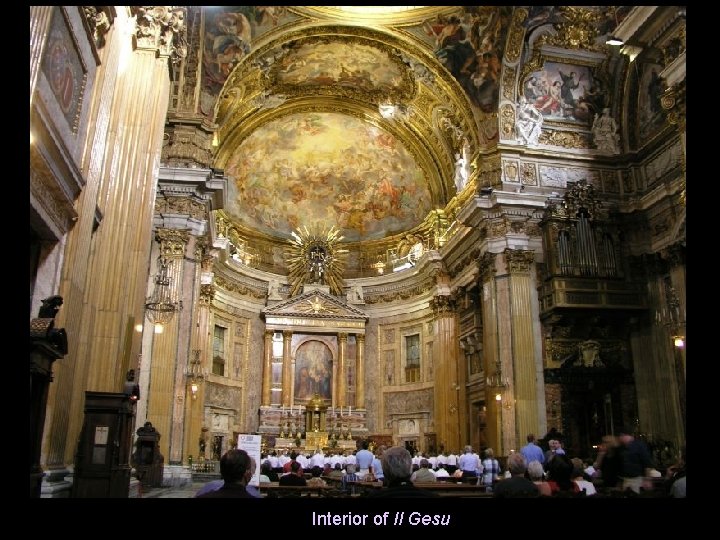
579 31
515 35
565 139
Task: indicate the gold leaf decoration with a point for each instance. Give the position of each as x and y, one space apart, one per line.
314 257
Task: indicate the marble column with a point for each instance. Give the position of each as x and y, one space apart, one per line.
446 409
267 369
287 369
341 372
360 371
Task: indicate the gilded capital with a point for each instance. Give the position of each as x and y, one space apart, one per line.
162 28
519 260
207 293
486 265
172 242
360 338
287 335
442 304
342 336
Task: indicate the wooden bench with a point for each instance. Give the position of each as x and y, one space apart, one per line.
274 489
449 489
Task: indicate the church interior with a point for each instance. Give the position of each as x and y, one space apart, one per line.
430 226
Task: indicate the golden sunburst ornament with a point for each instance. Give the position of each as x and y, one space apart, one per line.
314 257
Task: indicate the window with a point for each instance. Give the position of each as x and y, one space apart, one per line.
412 358
218 364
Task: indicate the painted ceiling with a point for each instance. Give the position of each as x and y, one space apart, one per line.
298 98
331 168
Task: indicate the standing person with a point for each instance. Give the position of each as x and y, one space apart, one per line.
608 461
531 451
491 469
236 471
377 469
635 460
469 463
363 460
397 466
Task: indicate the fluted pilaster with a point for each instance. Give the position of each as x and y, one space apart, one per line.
446 410
360 371
122 157
526 369
267 368
342 367
287 369
170 349
39 21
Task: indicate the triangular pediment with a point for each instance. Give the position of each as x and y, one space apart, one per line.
315 304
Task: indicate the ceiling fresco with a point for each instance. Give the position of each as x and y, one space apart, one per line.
333 169
344 64
470 44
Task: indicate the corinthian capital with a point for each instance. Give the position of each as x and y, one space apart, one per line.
486 266
519 260
172 242
162 28
442 304
207 293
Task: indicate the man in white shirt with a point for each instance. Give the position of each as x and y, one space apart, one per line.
452 461
364 459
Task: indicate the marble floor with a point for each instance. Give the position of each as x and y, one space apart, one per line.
185 492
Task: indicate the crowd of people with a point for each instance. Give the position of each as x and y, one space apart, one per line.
623 467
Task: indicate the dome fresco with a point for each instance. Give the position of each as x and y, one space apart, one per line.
341 171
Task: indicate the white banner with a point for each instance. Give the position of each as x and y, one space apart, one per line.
251 444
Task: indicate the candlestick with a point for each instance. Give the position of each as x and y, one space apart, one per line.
349 410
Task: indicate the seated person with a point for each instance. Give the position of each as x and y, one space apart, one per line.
349 476
295 477
517 485
316 480
423 474
267 474
397 468
236 470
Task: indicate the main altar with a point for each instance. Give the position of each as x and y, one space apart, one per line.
313 396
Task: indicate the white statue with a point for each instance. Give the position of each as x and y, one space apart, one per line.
529 123
461 172
274 290
355 294
605 135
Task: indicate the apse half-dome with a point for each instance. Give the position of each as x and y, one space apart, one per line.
329 168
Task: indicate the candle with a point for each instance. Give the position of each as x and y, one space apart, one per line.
340 410
349 410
